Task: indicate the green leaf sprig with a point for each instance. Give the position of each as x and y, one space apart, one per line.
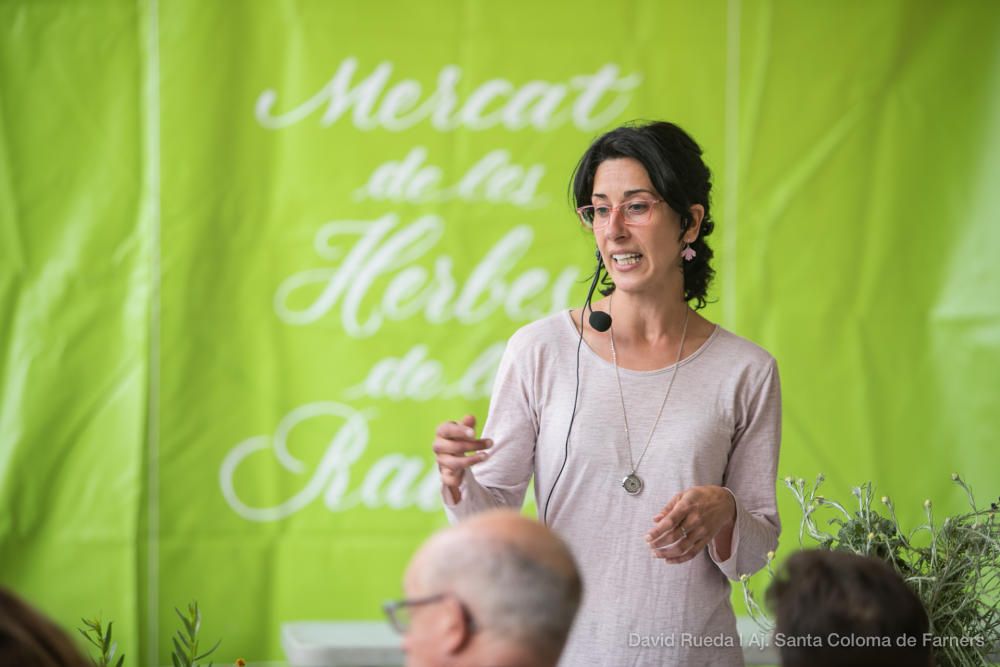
185 640
100 637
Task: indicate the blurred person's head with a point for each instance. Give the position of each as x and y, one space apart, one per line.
29 639
496 589
837 608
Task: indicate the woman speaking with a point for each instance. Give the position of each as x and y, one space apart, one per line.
652 433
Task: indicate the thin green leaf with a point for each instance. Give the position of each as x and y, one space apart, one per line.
187 623
121 660
178 651
208 652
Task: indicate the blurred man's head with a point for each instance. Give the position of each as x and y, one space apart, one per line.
837 608
495 589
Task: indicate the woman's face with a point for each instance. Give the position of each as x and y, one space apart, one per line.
640 258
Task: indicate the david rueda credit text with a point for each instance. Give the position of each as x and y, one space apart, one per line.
780 640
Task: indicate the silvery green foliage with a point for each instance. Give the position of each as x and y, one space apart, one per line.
954 566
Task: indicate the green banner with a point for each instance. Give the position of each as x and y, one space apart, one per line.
251 254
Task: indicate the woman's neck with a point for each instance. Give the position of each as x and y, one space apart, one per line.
646 322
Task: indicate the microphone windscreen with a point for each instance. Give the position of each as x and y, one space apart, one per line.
600 320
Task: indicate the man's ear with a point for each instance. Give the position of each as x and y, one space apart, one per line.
695 215
455 629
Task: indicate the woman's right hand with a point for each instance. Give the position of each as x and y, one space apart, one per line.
457 448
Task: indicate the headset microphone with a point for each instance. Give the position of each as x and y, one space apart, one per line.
599 320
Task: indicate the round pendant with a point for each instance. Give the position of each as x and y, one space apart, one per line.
632 484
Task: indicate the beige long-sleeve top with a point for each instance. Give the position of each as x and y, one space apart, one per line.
721 426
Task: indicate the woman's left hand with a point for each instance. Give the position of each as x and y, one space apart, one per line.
690 521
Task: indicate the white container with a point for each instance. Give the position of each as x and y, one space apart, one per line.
340 644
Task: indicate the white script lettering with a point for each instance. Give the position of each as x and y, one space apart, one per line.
395 480
415 377
494 102
492 179
306 296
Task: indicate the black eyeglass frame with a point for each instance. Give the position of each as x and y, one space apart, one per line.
392 608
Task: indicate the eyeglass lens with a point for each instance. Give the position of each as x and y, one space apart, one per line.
636 212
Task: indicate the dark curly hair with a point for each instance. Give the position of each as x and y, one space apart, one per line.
673 161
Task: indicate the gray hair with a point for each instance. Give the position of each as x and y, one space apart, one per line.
510 592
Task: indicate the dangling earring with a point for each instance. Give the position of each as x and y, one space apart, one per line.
688 253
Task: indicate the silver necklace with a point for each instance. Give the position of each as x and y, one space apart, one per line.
632 482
